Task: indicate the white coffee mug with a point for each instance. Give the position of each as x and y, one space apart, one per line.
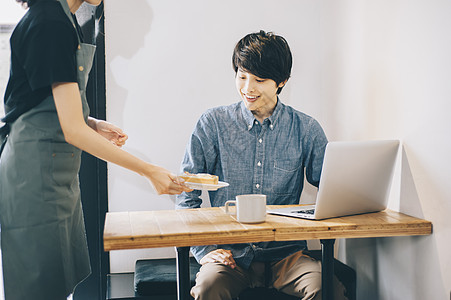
249 208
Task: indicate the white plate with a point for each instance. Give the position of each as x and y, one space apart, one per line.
206 187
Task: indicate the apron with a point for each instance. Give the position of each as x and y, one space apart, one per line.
43 239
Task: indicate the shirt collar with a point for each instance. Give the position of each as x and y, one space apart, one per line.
250 119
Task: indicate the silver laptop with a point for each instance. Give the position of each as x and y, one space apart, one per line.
355 179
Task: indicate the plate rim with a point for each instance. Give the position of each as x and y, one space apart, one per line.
220 184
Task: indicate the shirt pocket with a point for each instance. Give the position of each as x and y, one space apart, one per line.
287 175
65 163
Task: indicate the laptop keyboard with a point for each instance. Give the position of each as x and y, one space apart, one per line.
306 211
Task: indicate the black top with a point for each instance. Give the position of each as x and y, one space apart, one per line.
43 46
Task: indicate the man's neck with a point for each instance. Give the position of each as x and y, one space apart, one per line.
264 113
261 116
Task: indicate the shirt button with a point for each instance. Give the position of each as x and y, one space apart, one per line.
81 68
257 186
271 126
260 141
256 122
249 127
259 164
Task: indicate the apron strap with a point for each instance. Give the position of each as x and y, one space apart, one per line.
4 131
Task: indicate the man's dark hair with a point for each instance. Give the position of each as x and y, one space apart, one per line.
264 55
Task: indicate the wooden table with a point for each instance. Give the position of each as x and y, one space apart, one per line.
207 226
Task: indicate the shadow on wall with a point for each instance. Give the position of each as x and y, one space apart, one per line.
409 200
129 38
397 267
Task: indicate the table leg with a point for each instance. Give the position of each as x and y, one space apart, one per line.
183 276
327 268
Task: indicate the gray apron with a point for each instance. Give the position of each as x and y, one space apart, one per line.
43 240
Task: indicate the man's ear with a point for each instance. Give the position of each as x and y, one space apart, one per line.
282 83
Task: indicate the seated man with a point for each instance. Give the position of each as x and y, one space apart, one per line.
259 146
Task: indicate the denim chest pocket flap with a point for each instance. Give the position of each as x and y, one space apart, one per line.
287 173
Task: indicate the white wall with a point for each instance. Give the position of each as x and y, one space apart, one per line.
390 72
168 61
365 69
10 12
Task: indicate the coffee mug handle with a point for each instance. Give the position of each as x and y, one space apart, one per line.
229 202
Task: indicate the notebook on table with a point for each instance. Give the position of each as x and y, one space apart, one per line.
355 179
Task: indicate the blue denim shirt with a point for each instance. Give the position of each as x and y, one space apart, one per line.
269 158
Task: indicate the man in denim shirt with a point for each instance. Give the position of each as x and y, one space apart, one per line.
259 146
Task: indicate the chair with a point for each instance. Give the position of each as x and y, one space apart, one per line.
156 279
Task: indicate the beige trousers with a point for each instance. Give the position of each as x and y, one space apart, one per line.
298 275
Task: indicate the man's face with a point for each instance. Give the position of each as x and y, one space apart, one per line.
258 94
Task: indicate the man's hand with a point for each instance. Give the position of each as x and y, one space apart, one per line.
221 256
